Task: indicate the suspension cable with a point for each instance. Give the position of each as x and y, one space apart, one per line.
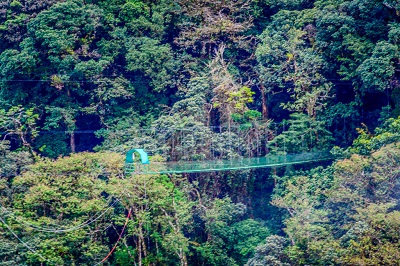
50 230
22 242
119 238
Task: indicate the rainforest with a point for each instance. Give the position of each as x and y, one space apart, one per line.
81 80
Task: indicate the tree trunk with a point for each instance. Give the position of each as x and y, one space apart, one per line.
139 253
72 142
184 261
264 106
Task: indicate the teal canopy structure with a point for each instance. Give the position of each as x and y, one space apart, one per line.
130 156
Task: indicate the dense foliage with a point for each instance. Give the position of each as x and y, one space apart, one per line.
79 79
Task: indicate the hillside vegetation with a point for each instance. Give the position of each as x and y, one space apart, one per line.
80 78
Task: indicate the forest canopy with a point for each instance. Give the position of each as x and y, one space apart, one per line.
79 79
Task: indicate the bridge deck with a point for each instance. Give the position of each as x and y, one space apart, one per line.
226 165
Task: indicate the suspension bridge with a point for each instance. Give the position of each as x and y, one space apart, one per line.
199 148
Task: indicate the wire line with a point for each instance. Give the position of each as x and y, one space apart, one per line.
42 229
22 242
119 238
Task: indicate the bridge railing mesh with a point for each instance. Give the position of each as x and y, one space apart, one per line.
224 165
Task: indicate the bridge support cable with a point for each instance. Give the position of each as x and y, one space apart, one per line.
119 238
23 242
